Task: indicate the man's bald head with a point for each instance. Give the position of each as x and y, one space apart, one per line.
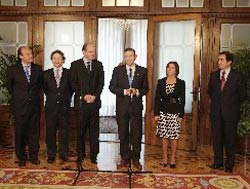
89 51
25 54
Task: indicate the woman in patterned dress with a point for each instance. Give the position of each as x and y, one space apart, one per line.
169 110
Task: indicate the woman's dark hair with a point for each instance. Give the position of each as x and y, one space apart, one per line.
57 52
176 65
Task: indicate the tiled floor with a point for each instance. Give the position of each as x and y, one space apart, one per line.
151 156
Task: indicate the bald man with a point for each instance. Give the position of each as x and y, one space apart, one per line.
24 83
87 81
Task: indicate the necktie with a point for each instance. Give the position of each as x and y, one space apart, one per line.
58 78
88 67
27 72
222 80
130 77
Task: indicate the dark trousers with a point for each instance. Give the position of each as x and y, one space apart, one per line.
55 121
27 132
224 133
88 118
130 131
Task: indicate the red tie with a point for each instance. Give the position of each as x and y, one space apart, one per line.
222 80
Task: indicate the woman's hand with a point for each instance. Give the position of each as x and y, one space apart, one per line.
179 119
157 118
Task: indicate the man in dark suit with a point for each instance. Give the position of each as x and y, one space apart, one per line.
56 86
24 83
227 90
87 80
129 83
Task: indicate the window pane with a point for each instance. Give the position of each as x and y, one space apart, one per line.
228 3
63 2
182 3
50 3
77 2
7 2
137 3
243 3
197 3
108 3
21 3
122 2
167 3
241 35
225 35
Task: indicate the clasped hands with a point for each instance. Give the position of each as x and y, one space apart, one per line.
89 99
130 91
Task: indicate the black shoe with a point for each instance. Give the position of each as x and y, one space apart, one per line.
123 163
51 160
79 165
172 166
163 164
216 166
21 163
229 170
35 161
93 160
137 165
64 159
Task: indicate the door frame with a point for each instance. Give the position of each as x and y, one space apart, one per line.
150 137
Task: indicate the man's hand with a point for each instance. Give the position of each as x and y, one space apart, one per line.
127 92
133 91
89 98
179 119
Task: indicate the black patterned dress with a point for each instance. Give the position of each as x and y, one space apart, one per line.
168 126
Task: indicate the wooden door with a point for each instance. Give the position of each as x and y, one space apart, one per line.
188 139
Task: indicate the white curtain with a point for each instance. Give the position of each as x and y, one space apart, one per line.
112 40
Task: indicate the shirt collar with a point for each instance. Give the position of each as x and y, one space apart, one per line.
60 68
26 64
227 71
130 67
86 60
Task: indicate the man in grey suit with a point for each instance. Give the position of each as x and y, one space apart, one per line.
129 83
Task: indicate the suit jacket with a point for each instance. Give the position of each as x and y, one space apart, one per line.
24 94
83 83
227 102
170 103
119 82
57 96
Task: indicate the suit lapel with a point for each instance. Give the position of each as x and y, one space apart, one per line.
125 75
52 77
32 76
229 79
63 78
20 66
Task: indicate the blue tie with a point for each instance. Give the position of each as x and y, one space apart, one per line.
130 77
27 72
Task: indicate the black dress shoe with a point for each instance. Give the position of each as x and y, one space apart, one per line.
163 164
172 166
64 159
137 165
229 170
123 163
35 161
51 160
216 166
93 160
21 163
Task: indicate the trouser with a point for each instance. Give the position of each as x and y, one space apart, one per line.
88 118
130 133
55 121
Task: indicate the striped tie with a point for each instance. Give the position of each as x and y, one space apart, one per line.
27 72
57 77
